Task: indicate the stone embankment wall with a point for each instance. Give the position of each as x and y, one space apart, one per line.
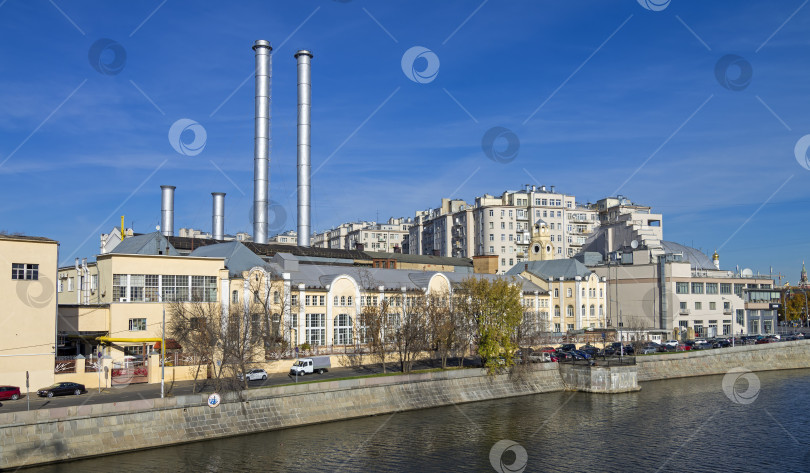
770 356
599 379
48 435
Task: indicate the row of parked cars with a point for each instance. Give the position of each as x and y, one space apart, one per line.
58 389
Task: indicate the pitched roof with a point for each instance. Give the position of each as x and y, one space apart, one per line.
186 244
421 259
145 244
557 268
237 257
6 236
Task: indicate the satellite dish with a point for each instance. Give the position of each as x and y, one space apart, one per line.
634 244
747 273
157 227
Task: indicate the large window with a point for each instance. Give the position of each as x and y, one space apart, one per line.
137 325
24 271
725 288
711 288
151 288
136 285
682 288
119 287
163 288
343 329
697 288
315 331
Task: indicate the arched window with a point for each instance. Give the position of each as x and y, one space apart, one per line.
337 299
593 310
235 297
569 311
601 310
349 300
343 330
276 298
556 311
582 309
342 300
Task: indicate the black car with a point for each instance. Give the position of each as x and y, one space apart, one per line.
59 389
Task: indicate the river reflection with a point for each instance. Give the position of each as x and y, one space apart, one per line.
678 425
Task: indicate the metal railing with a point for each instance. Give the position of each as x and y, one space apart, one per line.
600 360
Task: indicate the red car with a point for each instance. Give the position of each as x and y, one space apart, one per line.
9 392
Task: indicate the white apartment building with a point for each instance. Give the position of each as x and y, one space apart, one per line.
387 237
501 226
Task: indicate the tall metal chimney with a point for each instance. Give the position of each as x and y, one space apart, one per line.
261 142
304 106
167 210
218 216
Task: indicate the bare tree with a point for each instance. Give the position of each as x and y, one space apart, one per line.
410 332
375 331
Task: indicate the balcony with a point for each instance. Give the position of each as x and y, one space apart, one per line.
684 311
728 312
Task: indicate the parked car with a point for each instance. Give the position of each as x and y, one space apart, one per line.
648 350
315 364
683 347
568 347
591 350
59 389
721 343
9 392
253 375
671 343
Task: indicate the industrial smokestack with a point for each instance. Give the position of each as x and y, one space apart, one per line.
218 216
261 144
167 210
304 106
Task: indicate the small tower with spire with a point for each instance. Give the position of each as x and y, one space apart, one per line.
716 260
803 280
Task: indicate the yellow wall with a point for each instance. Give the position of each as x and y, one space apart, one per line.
27 313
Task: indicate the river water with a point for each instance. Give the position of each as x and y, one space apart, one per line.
760 422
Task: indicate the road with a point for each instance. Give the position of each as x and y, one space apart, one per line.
134 392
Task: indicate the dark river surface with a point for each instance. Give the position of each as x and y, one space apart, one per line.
759 422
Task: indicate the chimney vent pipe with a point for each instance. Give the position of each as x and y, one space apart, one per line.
167 210
304 58
218 216
261 142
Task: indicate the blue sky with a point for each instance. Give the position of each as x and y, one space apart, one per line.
596 91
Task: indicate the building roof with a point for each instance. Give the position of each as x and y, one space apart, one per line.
6 236
145 244
185 244
696 258
421 259
321 276
237 257
557 268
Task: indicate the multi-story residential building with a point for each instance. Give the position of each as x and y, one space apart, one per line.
621 222
388 237
384 237
28 310
501 226
290 237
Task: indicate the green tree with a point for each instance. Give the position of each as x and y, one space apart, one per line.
493 308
